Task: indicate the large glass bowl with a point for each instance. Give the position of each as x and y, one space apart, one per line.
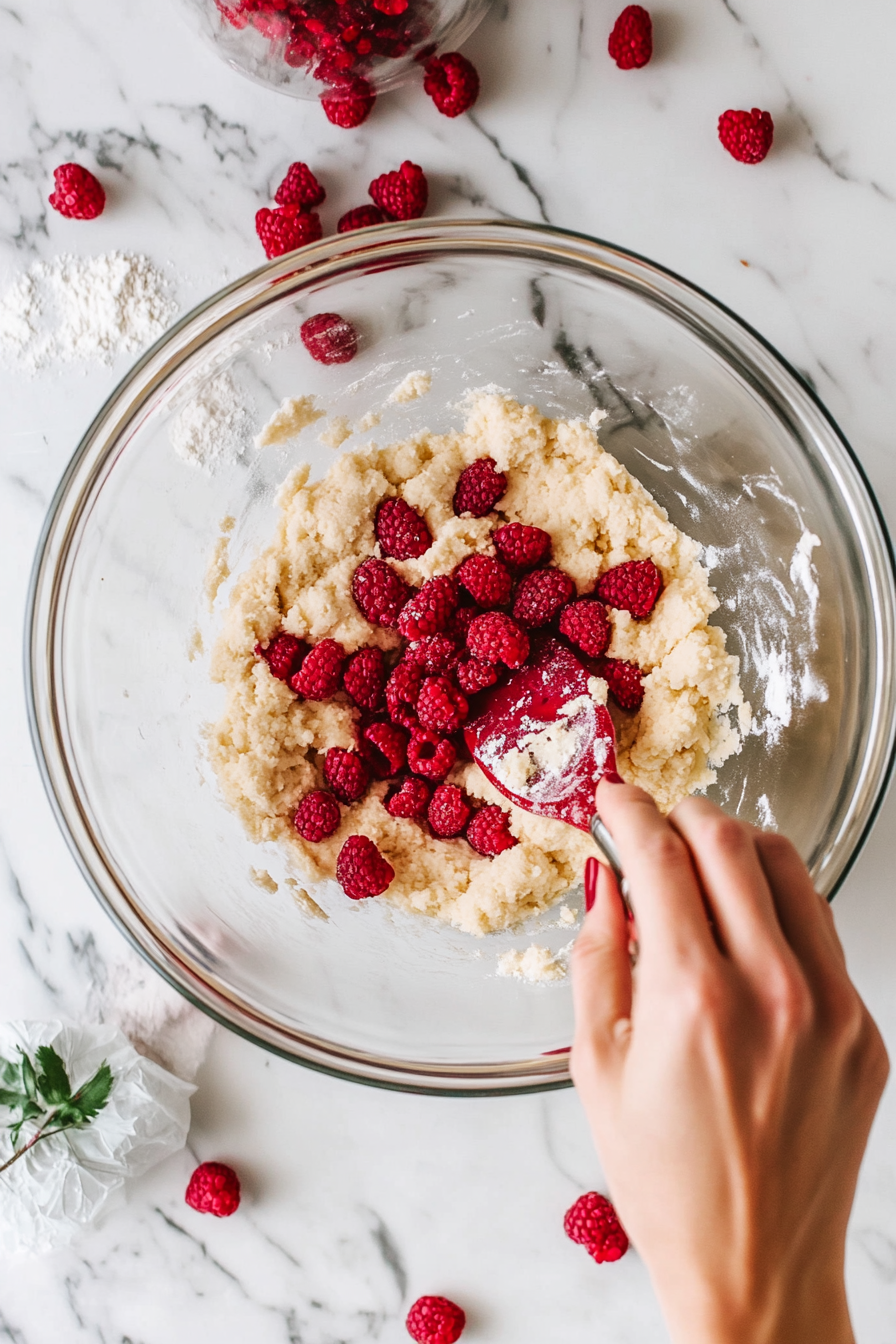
730 441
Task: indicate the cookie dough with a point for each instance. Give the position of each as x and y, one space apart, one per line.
267 749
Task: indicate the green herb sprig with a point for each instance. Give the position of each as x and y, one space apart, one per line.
40 1091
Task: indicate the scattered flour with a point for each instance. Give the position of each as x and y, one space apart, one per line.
214 423
292 416
415 385
538 965
84 310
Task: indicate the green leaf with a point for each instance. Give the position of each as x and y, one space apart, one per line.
11 1099
29 1077
90 1099
52 1081
10 1073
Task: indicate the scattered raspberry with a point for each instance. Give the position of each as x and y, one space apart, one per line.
440 705
214 1188
365 677
78 194
434 653
329 339
286 228
586 625
435 1320
479 487
486 580
747 136
431 610
522 547
496 638
300 187
460 624
380 592
349 104
282 655
449 811
320 675
385 748
361 869
410 799
489 831
317 815
430 755
402 194
624 681
474 675
346 774
631 41
593 1223
452 82
540 595
362 217
402 691
634 586
400 530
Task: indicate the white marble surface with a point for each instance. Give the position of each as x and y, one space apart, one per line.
357 1200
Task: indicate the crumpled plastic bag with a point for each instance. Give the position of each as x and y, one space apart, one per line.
64 1181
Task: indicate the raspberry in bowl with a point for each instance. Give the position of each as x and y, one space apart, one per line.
146 536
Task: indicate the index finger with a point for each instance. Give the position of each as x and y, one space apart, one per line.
663 886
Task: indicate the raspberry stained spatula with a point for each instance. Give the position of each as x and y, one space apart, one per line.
544 742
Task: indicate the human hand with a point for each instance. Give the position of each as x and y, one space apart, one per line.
731 1080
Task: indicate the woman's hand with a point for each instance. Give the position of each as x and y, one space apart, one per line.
731 1079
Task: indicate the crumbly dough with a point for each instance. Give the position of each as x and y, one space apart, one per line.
267 749
538 965
218 571
414 385
292 416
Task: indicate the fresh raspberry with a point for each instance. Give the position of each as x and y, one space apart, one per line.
452 82
365 677
286 228
380 592
540 595
633 586
460 624
390 6
361 869
624 681
474 675
300 187
282 655
522 547
402 692
631 41
402 194
486 580
320 675
431 610
349 104
346 774
434 653
384 747
593 1223
479 487
410 799
214 1188
317 816
329 339
747 136
400 530
440 705
586 625
430 755
496 638
362 217
78 194
449 811
435 1320
489 831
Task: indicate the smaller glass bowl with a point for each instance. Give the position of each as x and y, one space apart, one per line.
317 48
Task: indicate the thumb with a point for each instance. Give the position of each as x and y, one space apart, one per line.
601 975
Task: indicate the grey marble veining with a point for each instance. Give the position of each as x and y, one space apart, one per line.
357 1201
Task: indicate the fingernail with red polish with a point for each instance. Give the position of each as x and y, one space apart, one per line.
612 777
592 868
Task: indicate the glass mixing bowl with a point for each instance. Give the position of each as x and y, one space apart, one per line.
729 440
318 48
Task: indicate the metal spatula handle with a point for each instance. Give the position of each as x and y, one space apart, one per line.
605 842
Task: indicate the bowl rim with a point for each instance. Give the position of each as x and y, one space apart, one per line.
122 407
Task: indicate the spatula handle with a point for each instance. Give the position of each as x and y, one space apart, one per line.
605 842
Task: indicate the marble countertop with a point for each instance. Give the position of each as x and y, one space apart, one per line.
359 1200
